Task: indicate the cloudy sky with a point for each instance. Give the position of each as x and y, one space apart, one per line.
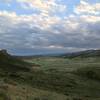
49 26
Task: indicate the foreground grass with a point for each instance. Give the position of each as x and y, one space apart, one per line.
53 78
67 75
25 92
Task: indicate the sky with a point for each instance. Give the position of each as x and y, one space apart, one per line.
49 26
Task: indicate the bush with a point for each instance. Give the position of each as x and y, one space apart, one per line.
3 96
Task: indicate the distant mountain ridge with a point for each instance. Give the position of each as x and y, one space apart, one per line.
87 53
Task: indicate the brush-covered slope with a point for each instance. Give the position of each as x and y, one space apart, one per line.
10 63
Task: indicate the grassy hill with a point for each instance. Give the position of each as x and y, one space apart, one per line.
10 63
49 78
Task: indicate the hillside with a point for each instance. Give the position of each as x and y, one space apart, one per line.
87 53
49 78
8 62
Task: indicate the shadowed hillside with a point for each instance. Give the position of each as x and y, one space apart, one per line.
10 63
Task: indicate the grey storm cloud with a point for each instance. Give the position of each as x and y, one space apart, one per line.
64 35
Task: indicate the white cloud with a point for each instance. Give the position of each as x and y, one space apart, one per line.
87 8
90 18
46 7
31 20
49 32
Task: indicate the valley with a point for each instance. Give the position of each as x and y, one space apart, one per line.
49 78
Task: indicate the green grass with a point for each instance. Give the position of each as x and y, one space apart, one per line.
63 64
65 75
50 78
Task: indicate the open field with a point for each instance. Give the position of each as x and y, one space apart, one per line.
75 77
64 64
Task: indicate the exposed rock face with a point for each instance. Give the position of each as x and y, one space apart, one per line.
4 52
